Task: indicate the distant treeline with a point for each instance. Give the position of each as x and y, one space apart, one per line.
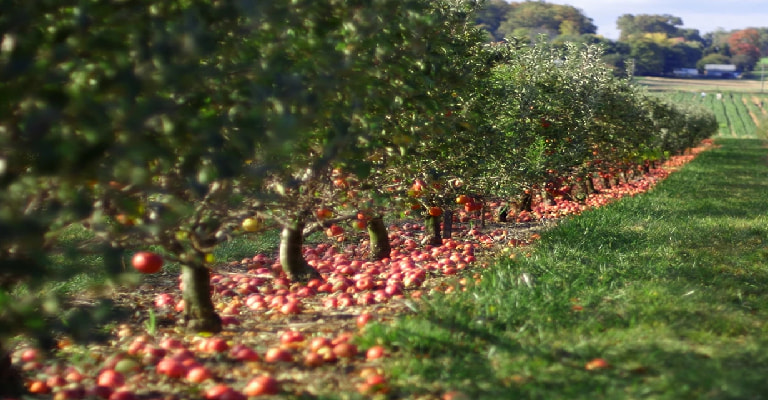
655 44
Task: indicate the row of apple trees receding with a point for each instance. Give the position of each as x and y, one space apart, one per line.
167 124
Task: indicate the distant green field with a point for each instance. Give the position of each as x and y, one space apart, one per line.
740 107
703 85
740 115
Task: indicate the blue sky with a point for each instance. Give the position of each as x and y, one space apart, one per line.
704 15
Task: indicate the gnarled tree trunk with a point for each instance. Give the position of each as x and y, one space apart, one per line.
503 213
447 224
590 180
433 230
615 180
548 198
291 257
377 235
199 312
605 181
526 202
580 190
11 382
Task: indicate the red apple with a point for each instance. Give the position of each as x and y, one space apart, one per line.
330 302
276 354
345 350
363 319
30 354
374 384
345 301
313 359
164 300
454 395
74 376
147 262
364 282
291 336
213 345
291 307
244 353
171 367
262 385
38 386
198 374
110 378
123 394
597 364
375 352
171 343
326 352
318 342
70 393
55 381
223 392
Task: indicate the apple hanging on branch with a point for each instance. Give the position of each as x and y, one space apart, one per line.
147 262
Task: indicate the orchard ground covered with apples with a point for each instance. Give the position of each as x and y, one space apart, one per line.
283 337
384 158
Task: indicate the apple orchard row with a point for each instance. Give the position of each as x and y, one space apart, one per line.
179 125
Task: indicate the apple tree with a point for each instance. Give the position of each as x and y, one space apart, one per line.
138 119
537 102
380 87
433 146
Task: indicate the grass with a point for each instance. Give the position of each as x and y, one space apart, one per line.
80 267
705 85
670 287
240 247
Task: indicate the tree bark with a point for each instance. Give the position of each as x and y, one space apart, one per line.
433 231
503 213
11 382
615 181
590 180
291 258
377 235
526 202
580 190
630 174
199 312
622 177
447 224
549 198
605 181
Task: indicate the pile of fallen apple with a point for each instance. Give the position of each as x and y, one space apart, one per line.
281 337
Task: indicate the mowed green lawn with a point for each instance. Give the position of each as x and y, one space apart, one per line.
670 288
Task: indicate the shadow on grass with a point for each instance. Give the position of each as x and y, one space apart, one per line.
504 369
674 286
659 372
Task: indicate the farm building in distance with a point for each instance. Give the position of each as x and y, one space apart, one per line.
685 72
720 71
